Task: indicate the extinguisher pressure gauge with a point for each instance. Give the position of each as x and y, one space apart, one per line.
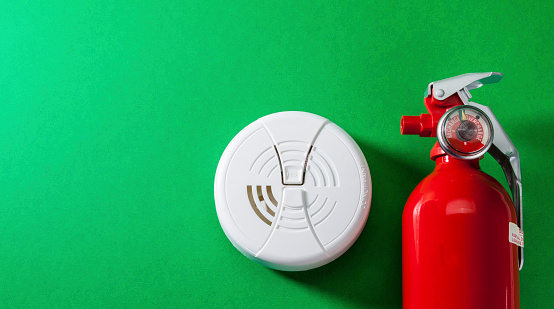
465 132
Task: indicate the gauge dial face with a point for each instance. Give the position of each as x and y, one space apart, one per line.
465 131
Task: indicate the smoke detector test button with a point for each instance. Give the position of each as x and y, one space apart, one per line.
292 191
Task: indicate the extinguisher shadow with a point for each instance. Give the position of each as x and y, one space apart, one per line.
369 274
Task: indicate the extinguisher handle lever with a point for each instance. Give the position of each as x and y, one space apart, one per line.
462 83
506 154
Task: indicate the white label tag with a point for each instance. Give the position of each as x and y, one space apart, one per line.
516 235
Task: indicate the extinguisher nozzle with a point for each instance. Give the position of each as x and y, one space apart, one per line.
410 125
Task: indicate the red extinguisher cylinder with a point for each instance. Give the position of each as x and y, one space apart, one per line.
455 240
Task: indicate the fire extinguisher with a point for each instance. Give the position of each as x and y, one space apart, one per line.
462 236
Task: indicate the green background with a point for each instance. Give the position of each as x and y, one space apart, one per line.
113 116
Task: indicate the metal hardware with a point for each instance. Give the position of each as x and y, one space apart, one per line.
458 153
447 87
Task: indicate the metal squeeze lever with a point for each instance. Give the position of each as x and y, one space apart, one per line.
502 148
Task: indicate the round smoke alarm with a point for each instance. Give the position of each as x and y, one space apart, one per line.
292 191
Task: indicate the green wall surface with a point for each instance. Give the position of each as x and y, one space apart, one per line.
114 114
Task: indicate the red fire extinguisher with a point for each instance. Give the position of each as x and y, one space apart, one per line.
462 234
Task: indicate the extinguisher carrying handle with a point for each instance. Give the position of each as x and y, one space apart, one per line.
506 154
461 84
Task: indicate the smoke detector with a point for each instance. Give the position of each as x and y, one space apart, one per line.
292 191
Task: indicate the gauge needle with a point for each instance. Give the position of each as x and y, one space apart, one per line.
462 115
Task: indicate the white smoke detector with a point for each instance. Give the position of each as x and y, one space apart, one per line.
292 191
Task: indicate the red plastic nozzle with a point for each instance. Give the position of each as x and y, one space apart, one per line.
414 125
410 125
